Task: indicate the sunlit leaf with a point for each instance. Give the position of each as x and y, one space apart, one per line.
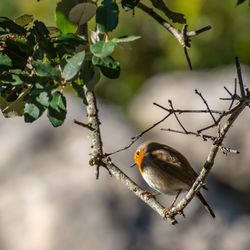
46 70
5 62
102 49
24 20
125 39
62 11
73 66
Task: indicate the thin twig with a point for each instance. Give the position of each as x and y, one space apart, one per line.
203 99
226 150
151 127
188 58
242 90
183 37
176 117
180 111
175 32
197 32
203 136
211 157
121 149
83 125
135 138
208 164
235 93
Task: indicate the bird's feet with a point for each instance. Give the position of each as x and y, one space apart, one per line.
166 210
149 195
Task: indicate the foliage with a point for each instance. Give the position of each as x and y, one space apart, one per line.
37 62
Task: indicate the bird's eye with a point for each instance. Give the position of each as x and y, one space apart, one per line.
138 153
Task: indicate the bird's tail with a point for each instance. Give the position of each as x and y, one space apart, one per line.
203 201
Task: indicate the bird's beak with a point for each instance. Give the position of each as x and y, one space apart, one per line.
133 165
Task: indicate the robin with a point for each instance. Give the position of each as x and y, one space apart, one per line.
167 171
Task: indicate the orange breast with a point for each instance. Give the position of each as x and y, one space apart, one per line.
139 155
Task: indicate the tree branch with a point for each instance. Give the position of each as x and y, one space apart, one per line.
182 36
208 164
175 32
99 159
244 102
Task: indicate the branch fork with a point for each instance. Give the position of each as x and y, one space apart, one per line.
182 36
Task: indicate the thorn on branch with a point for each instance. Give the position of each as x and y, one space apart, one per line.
83 125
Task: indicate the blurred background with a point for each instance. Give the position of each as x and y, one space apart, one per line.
49 198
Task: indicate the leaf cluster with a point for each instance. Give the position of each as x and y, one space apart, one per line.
37 62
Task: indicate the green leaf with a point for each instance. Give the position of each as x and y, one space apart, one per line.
41 33
24 46
16 108
38 88
12 50
57 109
40 29
129 4
62 12
107 16
5 62
38 53
102 49
53 31
63 24
109 67
80 92
11 92
46 70
82 13
73 66
23 20
43 98
58 101
11 78
70 39
12 27
37 101
32 112
125 39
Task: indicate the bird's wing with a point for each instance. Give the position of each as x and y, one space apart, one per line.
175 163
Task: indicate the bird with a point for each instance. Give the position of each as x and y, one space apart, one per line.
167 171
